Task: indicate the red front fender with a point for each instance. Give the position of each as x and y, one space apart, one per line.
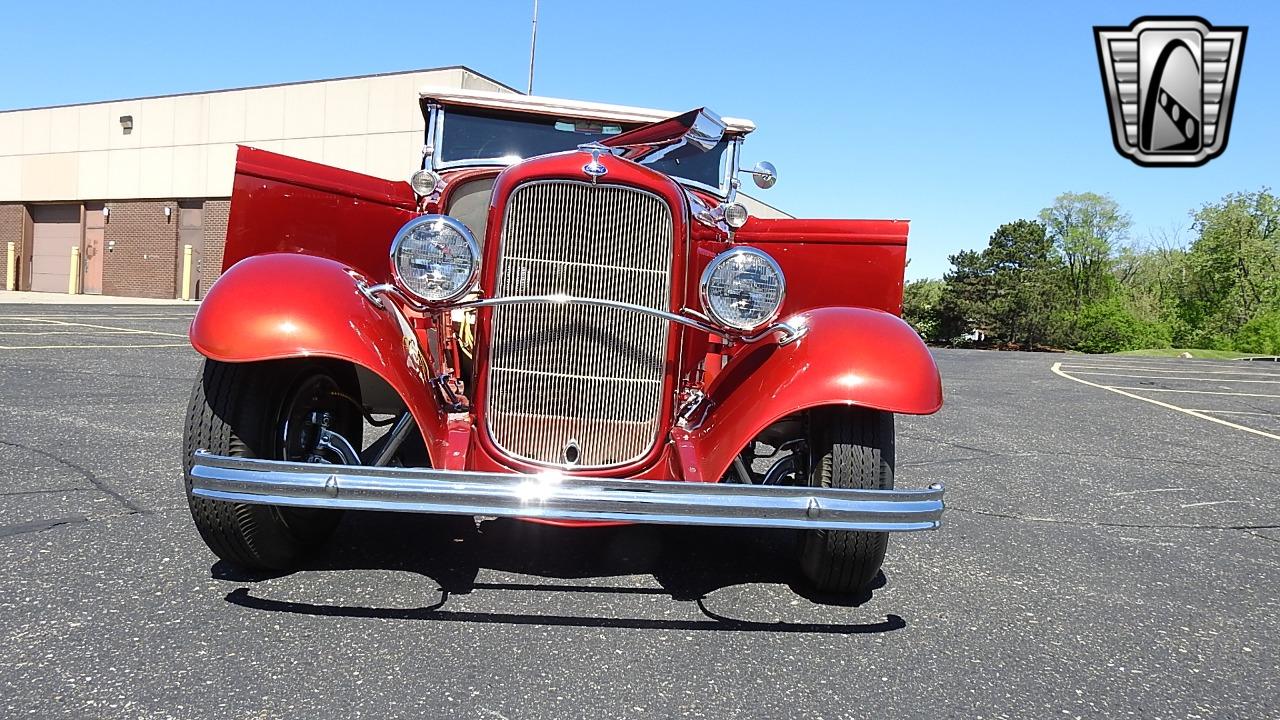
282 305
849 356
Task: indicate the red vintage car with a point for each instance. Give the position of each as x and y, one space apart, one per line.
568 315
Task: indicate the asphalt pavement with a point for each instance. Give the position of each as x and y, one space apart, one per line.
1111 548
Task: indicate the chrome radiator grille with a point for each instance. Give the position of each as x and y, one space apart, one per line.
578 385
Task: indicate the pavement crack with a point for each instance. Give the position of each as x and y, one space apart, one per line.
1094 523
102 485
40 525
51 491
1260 536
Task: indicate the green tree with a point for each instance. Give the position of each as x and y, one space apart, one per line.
1233 267
920 304
1151 274
1086 228
1010 288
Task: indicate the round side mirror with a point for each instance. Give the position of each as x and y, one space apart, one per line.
764 174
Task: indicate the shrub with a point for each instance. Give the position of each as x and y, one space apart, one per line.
1260 335
1109 326
920 300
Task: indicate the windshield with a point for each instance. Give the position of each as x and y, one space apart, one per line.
472 137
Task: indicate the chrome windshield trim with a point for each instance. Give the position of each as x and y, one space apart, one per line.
432 141
436 140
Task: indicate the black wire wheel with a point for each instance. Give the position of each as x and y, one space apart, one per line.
277 410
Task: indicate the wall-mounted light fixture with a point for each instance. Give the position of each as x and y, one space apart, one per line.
106 213
167 211
126 123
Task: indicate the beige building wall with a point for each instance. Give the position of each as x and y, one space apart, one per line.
184 146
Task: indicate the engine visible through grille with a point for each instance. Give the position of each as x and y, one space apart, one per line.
580 385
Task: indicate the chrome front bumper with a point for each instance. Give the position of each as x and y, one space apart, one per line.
553 496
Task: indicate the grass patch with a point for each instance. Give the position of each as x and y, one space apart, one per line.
1195 353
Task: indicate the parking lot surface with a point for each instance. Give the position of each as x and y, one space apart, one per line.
1111 549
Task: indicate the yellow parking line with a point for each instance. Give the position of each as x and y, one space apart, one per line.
1057 370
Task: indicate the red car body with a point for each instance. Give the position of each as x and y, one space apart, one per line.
308 247
296 227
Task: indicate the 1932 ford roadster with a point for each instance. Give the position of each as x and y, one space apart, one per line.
567 315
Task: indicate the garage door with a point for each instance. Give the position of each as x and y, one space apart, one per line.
55 228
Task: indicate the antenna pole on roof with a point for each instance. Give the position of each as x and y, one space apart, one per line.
533 44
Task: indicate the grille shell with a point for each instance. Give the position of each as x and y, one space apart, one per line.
593 377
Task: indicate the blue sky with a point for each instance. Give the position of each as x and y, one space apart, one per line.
957 116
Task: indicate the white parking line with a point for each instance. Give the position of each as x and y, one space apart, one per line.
183 312
1057 370
63 332
88 347
43 326
1193 392
1238 412
1150 377
1184 371
62 323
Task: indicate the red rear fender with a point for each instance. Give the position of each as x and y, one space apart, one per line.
849 356
277 306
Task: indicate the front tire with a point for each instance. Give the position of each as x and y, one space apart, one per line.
254 410
849 447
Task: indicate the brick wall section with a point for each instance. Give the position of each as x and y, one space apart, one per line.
144 259
11 217
214 224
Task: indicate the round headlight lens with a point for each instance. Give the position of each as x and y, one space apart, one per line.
742 289
735 215
424 182
435 258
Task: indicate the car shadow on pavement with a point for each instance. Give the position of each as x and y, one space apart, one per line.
688 564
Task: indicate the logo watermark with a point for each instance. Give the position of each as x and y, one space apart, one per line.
1170 84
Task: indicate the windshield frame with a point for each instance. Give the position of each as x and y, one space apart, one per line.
436 138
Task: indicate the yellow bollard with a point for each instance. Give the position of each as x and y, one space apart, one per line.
11 269
73 280
186 272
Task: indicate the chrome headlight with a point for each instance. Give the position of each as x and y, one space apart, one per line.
435 258
742 288
424 181
735 215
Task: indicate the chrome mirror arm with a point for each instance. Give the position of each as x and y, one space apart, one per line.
764 174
